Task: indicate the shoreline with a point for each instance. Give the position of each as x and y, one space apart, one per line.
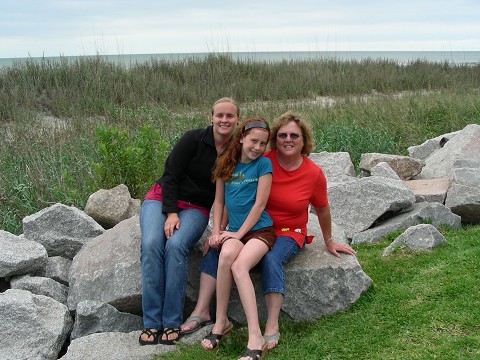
402 57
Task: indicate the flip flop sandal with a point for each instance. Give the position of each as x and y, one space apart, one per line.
167 332
215 339
150 333
269 338
255 354
200 322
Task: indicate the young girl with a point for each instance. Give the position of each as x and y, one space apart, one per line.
243 179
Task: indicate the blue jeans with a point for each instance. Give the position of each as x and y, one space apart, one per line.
273 275
164 263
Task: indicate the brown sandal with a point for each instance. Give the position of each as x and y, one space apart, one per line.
215 339
255 354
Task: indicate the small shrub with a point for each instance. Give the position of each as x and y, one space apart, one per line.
135 159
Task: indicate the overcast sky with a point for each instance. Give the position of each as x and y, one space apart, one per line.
110 27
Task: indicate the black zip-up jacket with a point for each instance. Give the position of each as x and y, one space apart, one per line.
188 171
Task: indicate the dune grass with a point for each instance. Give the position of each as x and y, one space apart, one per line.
423 305
51 113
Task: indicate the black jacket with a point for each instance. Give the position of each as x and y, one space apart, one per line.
188 171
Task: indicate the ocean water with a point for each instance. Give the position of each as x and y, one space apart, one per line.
402 57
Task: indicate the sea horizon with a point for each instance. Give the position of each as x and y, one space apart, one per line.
402 57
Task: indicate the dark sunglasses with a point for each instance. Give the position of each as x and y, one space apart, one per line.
293 136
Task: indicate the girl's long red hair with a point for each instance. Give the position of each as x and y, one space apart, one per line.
225 164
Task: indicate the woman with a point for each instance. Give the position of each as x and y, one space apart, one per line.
173 217
291 141
243 179
293 173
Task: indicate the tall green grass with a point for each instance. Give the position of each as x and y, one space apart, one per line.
51 112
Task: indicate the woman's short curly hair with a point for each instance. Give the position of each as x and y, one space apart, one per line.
307 133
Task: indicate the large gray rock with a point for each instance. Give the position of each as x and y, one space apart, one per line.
113 345
334 164
41 286
61 229
356 205
463 196
32 326
423 151
405 167
321 282
96 317
430 190
20 256
57 268
424 212
109 207
107 269
419 237
383 169
440 163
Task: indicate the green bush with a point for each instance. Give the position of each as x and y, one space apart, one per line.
135 159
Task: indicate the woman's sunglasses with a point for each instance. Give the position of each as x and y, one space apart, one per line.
293 136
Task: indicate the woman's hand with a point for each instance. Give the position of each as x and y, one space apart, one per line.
172 223
334 248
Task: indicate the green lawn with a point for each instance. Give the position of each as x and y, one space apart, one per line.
423 305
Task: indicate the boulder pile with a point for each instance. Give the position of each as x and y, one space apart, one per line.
72 279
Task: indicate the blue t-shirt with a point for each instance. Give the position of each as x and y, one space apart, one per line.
241 191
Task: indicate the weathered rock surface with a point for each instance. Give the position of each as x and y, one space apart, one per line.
404 166
113 345
383 169
41 286
32 326
61 229
356 205
424 212
440 163
107 269
423 151
430 190
20 256
334 164
97 317
109 207
57 268
419 237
